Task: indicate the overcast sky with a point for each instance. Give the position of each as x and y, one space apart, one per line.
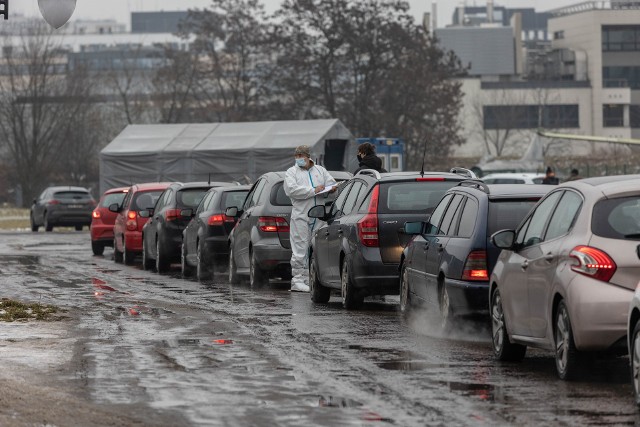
120 9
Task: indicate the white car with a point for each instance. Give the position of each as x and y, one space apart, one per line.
513 178
633 337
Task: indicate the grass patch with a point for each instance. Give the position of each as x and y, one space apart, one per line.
11 311
14 219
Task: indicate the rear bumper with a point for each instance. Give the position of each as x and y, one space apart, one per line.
468 298
271 256
217 246
133 241
372 276
101 232
69 218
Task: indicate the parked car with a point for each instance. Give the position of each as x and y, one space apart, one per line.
447 265
102 219
513 178
162 234
566 276
633 340
205 240
62 206
132 216
358 250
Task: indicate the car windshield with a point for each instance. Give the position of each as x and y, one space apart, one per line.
112 198
413 196
617 218
72 195
507 214
234 198
145 200
191 197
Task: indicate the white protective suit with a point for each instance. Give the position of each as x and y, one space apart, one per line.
299 185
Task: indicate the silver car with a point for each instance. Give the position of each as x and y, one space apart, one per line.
633 333
566 276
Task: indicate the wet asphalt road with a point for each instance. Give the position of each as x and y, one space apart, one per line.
213 354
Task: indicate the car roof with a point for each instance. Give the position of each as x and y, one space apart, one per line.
67 188
187 185
146 186
117 190
231 188
343 175
514 175
394 176
503 191
614 185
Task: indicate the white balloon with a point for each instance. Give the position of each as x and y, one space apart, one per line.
57 12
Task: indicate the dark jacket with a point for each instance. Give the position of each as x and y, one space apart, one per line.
370 162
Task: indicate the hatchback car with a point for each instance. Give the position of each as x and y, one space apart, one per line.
102 219
513 178
566 276
205 240
162 234
127 228
358 250
62 206
447 264
633 339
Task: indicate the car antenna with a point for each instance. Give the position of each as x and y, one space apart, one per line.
424 155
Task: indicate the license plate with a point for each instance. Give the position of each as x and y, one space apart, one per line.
75 206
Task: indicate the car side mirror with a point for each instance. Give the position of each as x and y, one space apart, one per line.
114 208
145 213
413 228
35 201
504 239
318 211
231 212
186 213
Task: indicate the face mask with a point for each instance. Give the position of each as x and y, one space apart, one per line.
301 162
359 157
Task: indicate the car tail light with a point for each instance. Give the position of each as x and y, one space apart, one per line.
593 262
95 214
432 178
272 224
53 202
171 214
132 215
368 226
475 267
220 219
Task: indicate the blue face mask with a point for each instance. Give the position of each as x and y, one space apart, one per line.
301 162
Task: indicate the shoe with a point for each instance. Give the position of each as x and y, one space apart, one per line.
300 287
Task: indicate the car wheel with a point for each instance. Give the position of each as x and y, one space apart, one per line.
162 266
203 268
34 226
320 294
117 255
405 296
446 313
257 277
47 223
185 268
567 356
78 228
635 362
503 349
233 272
128 256
97 248
147 263
350 297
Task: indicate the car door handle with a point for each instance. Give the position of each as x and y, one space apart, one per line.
340 230
440 248
549 257
426 245
524 264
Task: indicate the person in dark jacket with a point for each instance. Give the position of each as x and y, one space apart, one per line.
368 159
550 177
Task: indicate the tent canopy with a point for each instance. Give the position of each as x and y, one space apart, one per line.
220 151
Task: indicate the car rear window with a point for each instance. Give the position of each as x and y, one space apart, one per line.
617 218
72 195
145 200
412 196
507 214
234 198
278 196
112 198
190 197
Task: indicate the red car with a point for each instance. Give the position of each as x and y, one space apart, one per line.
127 230
102 219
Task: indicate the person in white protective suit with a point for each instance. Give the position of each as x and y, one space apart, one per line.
302 183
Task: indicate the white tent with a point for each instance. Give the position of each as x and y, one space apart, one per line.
220 151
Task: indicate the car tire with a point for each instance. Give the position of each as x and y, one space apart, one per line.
634 355
34 226
257 277
147 263
162 264
233 271
503 349
97 248
47 223
319 294
203 268
117 255
405 296
351 298
446 313
567 356
185 268
78 228
128 256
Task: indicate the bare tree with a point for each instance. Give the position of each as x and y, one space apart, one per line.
175 87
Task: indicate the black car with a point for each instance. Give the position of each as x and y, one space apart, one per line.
205 241
162 234
62 206
358 250
448 263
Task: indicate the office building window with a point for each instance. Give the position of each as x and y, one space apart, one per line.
634 116
621 77
613 116
620 38
531 116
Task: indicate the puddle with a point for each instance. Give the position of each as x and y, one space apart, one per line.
482 391
407 365
21 259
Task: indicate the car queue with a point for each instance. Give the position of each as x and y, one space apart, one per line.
552 267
